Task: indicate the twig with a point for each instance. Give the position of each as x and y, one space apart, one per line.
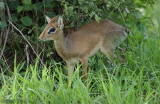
26 40
27 55
5 41
9 14
122 17
124 23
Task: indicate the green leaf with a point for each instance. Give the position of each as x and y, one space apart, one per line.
13 5
27 21
1 5
1 14
97 18
127 10
50 14
29 31
49 3
3 24
91 14
19 8
14 18
39 7
1 61
27 1
28 7
49 54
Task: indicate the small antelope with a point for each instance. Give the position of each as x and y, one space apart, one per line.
84 42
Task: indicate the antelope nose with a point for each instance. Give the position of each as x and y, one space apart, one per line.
40 38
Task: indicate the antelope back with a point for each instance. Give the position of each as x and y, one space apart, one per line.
53 28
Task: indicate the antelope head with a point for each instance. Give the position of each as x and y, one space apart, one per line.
53 29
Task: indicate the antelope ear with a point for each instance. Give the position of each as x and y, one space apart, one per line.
47 18
60 23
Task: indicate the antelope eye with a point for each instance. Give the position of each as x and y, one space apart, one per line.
52 30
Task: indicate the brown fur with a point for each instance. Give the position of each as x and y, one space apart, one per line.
85 42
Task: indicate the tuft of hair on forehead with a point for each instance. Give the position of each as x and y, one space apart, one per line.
54 19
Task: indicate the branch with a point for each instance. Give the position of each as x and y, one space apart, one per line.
26 40
122 17
7 32
5 41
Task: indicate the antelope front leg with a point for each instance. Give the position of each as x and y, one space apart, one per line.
70 72
84 62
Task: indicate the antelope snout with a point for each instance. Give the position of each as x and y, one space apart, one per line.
41 37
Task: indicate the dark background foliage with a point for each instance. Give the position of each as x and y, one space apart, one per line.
28 17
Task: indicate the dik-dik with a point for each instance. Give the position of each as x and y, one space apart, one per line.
85 42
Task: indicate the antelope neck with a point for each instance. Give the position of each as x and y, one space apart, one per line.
60 46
